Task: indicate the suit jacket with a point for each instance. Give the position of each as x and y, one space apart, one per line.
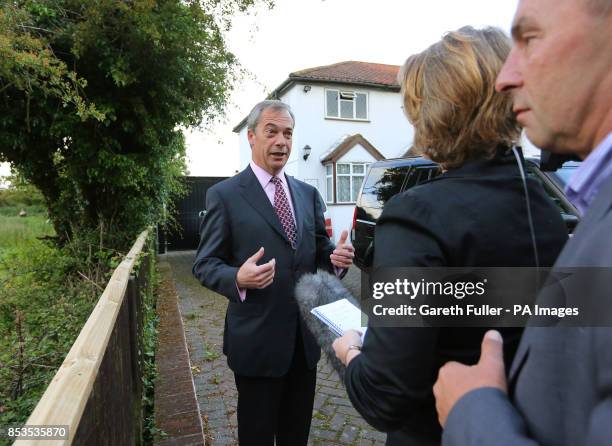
560 383
474 215
259 336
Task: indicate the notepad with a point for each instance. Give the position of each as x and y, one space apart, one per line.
340 316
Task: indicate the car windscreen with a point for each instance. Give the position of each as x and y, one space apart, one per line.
552 187
563 175
381 184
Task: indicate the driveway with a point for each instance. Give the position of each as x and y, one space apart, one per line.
334 422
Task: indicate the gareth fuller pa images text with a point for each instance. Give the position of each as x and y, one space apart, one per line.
457 290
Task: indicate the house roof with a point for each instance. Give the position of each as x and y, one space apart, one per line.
346 144
363 74
352 72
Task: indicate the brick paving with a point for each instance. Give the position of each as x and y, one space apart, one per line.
334 421
176 409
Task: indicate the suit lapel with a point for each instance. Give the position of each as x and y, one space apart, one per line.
598 210
519 359
299 202
251 190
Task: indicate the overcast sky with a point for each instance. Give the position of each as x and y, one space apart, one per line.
299 34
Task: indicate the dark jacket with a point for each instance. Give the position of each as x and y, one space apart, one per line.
560 383
474 215
259 335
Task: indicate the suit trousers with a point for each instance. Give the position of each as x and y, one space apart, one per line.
277 408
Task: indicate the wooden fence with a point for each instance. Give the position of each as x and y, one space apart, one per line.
97 392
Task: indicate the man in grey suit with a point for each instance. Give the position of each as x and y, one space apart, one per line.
559 389
262 231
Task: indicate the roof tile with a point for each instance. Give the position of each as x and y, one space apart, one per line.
352 72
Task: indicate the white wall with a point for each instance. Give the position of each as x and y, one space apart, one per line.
357 155
387 130
342 218
244 147
528 148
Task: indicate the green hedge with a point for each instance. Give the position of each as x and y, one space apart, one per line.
23 196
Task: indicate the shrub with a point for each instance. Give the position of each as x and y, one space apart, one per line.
23 195
42 309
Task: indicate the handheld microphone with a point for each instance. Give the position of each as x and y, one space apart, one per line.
313 290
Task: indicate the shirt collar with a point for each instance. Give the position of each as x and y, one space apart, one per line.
264 177
584 183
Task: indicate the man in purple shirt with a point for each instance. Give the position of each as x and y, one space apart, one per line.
264 229
559 389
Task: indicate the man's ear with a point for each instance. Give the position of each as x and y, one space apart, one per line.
251 137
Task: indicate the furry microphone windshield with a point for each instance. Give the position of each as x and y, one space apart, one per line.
313 290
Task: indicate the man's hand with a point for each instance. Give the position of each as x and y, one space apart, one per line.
251 275
342 257
455 379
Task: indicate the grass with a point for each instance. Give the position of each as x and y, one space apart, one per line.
44 339
13 210
14 230
42 309
210 355
18 231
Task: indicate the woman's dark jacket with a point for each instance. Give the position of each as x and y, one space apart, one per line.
475 215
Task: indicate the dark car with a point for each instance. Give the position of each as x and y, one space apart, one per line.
389 177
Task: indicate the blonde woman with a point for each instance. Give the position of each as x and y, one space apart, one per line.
473 214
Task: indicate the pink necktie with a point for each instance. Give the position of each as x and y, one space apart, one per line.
281 206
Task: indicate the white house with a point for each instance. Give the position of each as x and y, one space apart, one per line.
348 115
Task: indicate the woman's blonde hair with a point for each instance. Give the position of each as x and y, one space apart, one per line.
449 97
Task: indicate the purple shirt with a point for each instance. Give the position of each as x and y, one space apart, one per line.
583 186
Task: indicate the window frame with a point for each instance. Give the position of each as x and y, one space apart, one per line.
335 175
327 177
339 100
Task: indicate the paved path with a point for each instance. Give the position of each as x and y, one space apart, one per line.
334 422
177 414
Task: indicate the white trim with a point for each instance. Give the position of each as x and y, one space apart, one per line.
351 175
328 177
339 92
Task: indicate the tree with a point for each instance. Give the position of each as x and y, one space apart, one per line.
93 96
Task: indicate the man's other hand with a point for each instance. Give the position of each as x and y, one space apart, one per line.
251 275
342 257
455 379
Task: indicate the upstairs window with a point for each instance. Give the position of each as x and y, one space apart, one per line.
342 104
